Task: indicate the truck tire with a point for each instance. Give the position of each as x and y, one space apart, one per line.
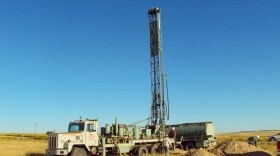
154 149
160 149
79 152
189 146
135 150
142 151
272 139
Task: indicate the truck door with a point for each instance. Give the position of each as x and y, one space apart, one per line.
91 134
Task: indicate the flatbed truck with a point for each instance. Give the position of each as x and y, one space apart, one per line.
83 139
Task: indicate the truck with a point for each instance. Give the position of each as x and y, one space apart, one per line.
194 135
83 139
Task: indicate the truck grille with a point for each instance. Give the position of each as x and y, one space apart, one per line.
52 142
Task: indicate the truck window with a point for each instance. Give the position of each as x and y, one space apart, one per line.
90 127
75 127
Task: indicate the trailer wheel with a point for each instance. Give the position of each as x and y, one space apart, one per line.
142 151
154 149
190 146
78 152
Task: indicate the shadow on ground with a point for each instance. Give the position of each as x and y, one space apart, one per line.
35 154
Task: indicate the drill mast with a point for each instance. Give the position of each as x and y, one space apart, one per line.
159 108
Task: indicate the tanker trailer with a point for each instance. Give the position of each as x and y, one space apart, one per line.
194 135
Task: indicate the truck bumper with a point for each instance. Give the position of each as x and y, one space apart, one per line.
56 152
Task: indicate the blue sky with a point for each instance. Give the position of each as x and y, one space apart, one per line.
63 59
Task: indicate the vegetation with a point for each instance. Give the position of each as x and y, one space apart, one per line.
18 136
12 144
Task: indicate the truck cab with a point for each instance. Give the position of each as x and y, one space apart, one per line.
81 139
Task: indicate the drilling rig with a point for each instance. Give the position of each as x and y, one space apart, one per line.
83 138
160 106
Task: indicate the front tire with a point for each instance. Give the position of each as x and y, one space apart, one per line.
154 149
273 139
78 152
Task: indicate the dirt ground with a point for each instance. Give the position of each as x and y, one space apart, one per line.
230 148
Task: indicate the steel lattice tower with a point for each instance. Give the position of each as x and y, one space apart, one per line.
158 108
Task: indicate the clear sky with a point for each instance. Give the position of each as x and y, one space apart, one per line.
62 59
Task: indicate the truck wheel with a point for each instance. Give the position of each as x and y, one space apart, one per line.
273 139
190 146
93 150
78 152
135 150
160 149
154 149
142 151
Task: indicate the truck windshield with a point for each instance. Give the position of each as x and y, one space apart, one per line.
74 127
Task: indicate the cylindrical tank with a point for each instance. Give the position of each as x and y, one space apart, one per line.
148 133
121 130
194 129
103 141
136 133
107 129
116 126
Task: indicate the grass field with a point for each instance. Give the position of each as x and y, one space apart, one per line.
35 145
22 146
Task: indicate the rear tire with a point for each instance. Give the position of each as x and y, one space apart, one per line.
273 139
160 149
79 152
135 150
154 149
142 151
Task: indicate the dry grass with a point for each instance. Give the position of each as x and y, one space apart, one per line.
22 147
23 144
12 136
